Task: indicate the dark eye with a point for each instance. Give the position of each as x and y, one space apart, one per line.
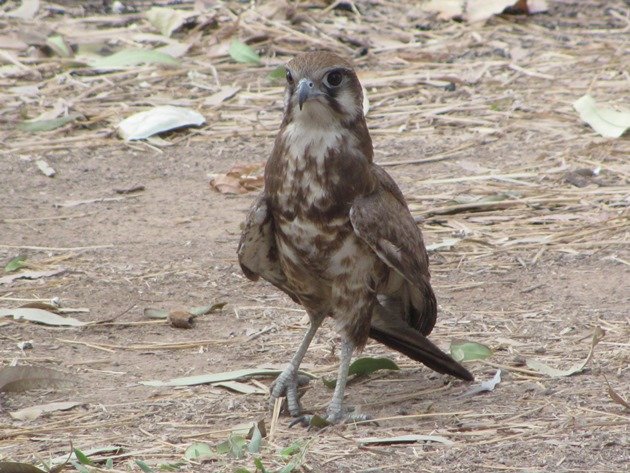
334 78
289 77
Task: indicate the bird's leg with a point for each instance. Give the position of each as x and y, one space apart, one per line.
335 412
287 382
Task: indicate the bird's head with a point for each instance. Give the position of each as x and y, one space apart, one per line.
322 89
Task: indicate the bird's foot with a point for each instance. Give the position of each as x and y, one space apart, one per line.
286 385
338 416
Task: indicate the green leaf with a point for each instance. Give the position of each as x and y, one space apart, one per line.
155 313
131 57
254 443
109 464
80 468
237 446
292 449
15 264
144 467
240 52
171 466
167 20
259 465
242 470
207 309
468 351
363 367
82 457
366 366
288 468
47 125
59 46
605 121
199 451
278 74
319 422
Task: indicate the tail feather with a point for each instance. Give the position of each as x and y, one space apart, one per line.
394 332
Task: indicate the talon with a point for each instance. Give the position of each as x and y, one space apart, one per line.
304 421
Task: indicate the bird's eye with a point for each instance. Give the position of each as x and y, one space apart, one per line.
334 78
289 77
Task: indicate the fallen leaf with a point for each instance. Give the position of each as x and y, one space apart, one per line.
23 378
32 275
41 317
208 309
234 446
216 377
468 351
167 20
445 244
413 438
607 122
241 52
33 412
484 386
616 397
240 179
26 11
16 263
180 319
16 467
48 125
155 313
199 452
76 203
256 440
59 46
242 388
157 120
480 10
129 58
45 168
364 367
535 365
221 96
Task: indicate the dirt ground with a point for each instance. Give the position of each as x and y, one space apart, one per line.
531 273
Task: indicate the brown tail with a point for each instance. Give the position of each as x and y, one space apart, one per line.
393 331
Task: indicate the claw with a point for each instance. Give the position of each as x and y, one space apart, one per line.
286 385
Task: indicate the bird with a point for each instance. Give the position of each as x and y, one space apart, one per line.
332 230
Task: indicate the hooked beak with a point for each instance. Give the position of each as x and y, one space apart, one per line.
306 90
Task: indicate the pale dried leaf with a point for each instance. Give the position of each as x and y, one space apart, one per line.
33 412
607 122
26 11
413 438
32 275
41 317
221 96
157 120
23 378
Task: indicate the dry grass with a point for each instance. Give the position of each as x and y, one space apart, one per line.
511 184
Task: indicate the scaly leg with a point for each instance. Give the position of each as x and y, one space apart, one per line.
335 412
287 382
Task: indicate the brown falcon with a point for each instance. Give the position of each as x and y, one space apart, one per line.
332 230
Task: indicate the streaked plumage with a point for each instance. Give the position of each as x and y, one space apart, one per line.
332 229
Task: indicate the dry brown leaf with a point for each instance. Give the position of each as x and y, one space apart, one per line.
181 319
240 179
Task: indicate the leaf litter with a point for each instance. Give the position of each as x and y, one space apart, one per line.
420 58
